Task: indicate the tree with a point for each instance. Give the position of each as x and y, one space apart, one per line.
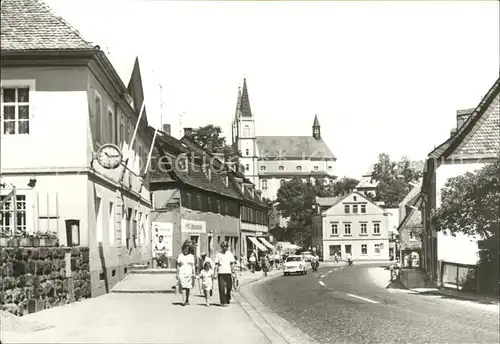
210 133
344 186
470 203
394 179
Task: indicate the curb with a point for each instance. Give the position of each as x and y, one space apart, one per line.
143 292
277 329
455 296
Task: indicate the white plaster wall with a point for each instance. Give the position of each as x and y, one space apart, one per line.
460 249
58 120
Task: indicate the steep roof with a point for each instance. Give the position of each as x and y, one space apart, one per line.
194 176
329 201
413 192
293 147
486 138
31 25
245 101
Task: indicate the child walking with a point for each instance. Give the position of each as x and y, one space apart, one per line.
207 276
236 275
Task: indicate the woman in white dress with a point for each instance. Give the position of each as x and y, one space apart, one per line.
185 272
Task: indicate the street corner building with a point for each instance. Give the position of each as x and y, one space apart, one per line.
473 143
62 100
198 197
351 224
270 161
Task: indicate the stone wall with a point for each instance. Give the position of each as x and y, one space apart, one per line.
37 278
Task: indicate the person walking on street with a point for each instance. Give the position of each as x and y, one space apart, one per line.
185 272
207 276
253 262
264 263
224 267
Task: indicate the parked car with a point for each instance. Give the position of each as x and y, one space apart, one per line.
295 264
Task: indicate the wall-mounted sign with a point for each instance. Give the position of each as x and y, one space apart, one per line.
191 226
166 230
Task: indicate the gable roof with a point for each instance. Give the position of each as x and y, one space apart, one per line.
487 139
297 147
414 209
336 200
413 192
31 25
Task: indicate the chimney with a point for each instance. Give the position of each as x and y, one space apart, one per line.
453 132
166 129
188 132
462 116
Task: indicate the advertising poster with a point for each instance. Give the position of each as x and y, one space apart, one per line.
166 230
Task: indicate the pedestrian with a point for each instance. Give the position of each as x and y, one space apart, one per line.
236 275
253 262
264 263
224 264
185 272
244 263
207 276
160 251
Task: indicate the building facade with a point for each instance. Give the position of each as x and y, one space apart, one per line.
410 229
61 101
353 225
270 161
474 143
191 200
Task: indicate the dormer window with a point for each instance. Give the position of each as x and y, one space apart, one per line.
355 198
281 168
263 168
299 168
316 168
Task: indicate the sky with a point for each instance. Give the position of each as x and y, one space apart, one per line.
381 76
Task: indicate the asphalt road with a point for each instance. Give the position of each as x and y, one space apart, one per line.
347 305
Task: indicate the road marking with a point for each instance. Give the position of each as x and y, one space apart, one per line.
321 283
362 298
322 276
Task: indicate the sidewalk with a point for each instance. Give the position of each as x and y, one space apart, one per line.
456 294
140 317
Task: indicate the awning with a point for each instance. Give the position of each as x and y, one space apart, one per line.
258 244
267 243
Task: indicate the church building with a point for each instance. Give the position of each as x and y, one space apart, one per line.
270 161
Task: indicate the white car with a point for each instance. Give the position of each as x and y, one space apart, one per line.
295 264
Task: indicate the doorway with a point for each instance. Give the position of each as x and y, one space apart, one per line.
196 240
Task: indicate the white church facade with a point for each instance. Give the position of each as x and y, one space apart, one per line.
270 161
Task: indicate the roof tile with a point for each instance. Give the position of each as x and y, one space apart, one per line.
31 25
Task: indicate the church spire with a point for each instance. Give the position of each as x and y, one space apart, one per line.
245 110
316 128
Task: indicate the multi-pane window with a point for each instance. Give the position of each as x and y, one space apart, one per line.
363 208
7 215
246 131
264 184
347 209
281 168
247 167
98 110
364 249
355 208
376 228
363 228
247 151
348 249
316 168
377 248
347 228
335 229
16 110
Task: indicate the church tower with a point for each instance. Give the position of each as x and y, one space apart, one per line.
316 128
244 134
